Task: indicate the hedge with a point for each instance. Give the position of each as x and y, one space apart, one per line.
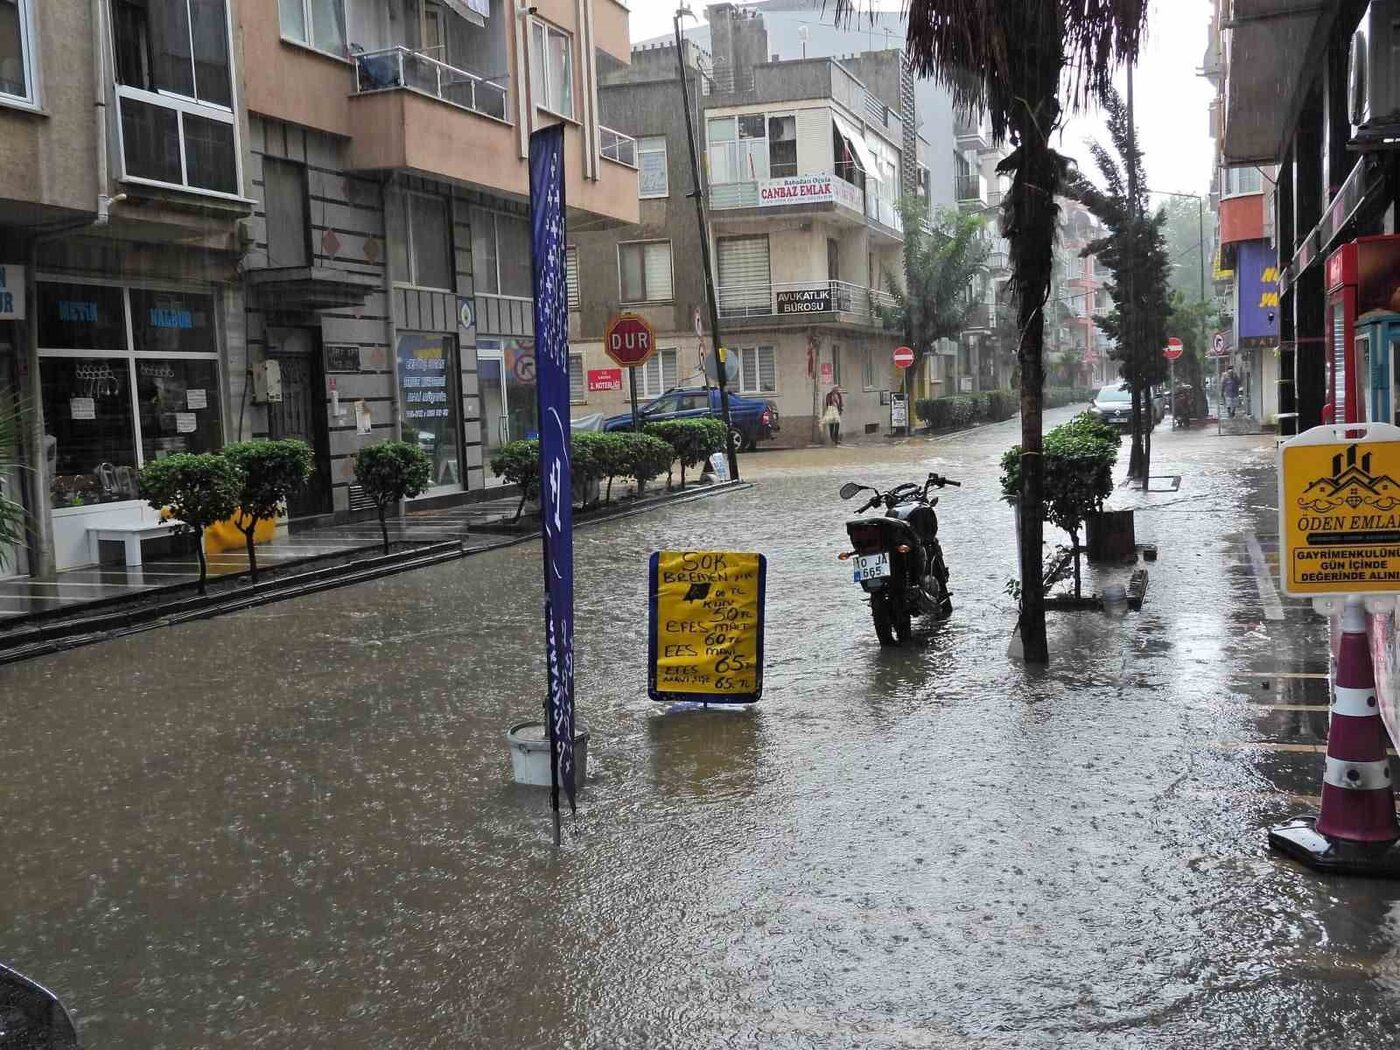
693 440
989 406
596 457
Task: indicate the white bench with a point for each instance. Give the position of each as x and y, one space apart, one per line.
131 536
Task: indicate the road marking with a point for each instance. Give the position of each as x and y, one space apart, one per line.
1263 579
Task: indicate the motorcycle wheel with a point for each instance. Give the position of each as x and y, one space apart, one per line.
893 624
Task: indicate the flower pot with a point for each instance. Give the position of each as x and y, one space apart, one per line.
529 754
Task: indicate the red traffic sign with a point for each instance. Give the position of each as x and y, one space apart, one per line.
629 340
903 357
1174 349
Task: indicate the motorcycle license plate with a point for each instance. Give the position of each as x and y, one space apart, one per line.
871 567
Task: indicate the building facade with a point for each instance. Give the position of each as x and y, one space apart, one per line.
222 219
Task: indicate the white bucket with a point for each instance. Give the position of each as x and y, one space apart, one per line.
529 754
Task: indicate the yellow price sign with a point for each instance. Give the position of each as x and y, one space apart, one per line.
1339 510
706 626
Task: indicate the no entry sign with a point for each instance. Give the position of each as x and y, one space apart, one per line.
903 357
629 340
1174 349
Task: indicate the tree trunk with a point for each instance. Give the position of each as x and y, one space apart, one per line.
203 562
1149 422
384 525
248 542
1135 457
1074 540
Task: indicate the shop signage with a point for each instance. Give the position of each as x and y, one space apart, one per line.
423 379
603 380
806 301
705 641
1339 510
899 411
828 373
1256 319
797 189
196 398
11 293
340 358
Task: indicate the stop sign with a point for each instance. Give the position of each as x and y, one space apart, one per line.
1174 349
629 340
903 357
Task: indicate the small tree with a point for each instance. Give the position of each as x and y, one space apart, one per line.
389 472
694 440
647 457
198 488
518 462
271 471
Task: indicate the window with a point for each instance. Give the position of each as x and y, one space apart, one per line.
652 178
16 50
835 364
645 271
117 395
867 369
420 242
658 375
571 276
175 94
316 23
1235 182
758 372
744 286
284 201
501 254
738 148
782 146
429 405
552 69
578 380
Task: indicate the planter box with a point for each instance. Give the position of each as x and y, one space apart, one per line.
1109 536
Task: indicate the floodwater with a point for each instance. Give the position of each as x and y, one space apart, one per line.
294 827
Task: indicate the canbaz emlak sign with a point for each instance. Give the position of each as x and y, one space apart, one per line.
11 293
797 189
804 301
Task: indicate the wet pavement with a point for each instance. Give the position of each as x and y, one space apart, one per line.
293 827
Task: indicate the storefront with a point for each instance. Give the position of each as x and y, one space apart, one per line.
506 366
14 559
126 375
430 405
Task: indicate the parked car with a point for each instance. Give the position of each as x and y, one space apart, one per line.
1114 404
752 419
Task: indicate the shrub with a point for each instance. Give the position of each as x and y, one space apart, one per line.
271 471
647 457
518 462
389 472
693 440
599 456
198 488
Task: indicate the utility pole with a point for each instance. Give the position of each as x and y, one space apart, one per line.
1139 456
697 194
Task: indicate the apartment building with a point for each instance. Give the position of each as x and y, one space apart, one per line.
805 169
222 219
1075 347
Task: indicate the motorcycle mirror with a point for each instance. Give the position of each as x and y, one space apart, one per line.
849 489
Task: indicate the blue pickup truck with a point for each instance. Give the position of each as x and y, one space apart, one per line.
752 420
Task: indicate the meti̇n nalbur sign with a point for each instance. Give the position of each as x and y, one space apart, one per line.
1339 511
705 641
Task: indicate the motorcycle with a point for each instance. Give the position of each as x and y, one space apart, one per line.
897 558
1181 407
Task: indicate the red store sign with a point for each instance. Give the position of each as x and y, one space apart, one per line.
602 380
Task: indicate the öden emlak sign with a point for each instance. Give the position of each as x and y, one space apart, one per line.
804 301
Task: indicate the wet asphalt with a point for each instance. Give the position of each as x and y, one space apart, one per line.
294 826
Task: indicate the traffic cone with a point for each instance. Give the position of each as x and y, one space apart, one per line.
1356 828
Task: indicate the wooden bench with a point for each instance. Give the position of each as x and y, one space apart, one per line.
131 536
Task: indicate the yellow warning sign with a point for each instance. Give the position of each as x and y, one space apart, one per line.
706 637
1339 511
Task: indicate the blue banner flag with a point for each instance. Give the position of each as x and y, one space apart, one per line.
556 480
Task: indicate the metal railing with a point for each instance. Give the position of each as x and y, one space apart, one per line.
797 299
399 68
616 146
970 189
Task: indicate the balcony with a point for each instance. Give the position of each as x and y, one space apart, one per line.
970 191
746 306
400 68
617 147
972 133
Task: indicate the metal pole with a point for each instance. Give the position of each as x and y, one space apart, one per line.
1201 240
632 381
697 194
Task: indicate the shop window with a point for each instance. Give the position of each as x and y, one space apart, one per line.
758 371
658 375
284 201
315 23
645 271
172 322
867 369
501 254
428 402
81 317
179 405
552 69
89 432
578 380
16 51
420 241
653 177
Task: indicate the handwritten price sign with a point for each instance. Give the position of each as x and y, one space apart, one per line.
706 626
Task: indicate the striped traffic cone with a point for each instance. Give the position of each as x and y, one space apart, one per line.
1356 828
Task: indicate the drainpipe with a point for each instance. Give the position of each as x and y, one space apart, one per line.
99 75
391 328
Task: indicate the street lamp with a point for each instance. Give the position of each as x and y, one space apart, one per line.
1200 229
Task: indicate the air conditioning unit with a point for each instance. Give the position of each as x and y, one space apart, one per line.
1373 77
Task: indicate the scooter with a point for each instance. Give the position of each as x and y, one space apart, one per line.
897 558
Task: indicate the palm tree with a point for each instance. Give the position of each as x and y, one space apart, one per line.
1009 59
1134 250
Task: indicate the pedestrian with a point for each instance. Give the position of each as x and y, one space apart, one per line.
1230 390
831 416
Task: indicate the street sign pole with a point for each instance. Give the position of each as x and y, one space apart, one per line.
632 382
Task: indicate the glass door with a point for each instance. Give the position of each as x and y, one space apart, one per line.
495 424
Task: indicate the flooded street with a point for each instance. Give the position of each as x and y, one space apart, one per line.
294 826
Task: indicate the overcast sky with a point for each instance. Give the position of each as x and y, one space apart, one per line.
1171 99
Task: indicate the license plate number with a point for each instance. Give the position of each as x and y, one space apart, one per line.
871 567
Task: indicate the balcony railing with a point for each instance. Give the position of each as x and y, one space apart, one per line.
616 146
799 299
970 189
396 68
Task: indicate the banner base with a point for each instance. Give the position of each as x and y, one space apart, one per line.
1301 840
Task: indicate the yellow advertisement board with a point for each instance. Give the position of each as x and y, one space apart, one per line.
706 626
1339 511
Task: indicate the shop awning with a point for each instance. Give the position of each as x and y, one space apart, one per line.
1268 42
474 11
860 152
